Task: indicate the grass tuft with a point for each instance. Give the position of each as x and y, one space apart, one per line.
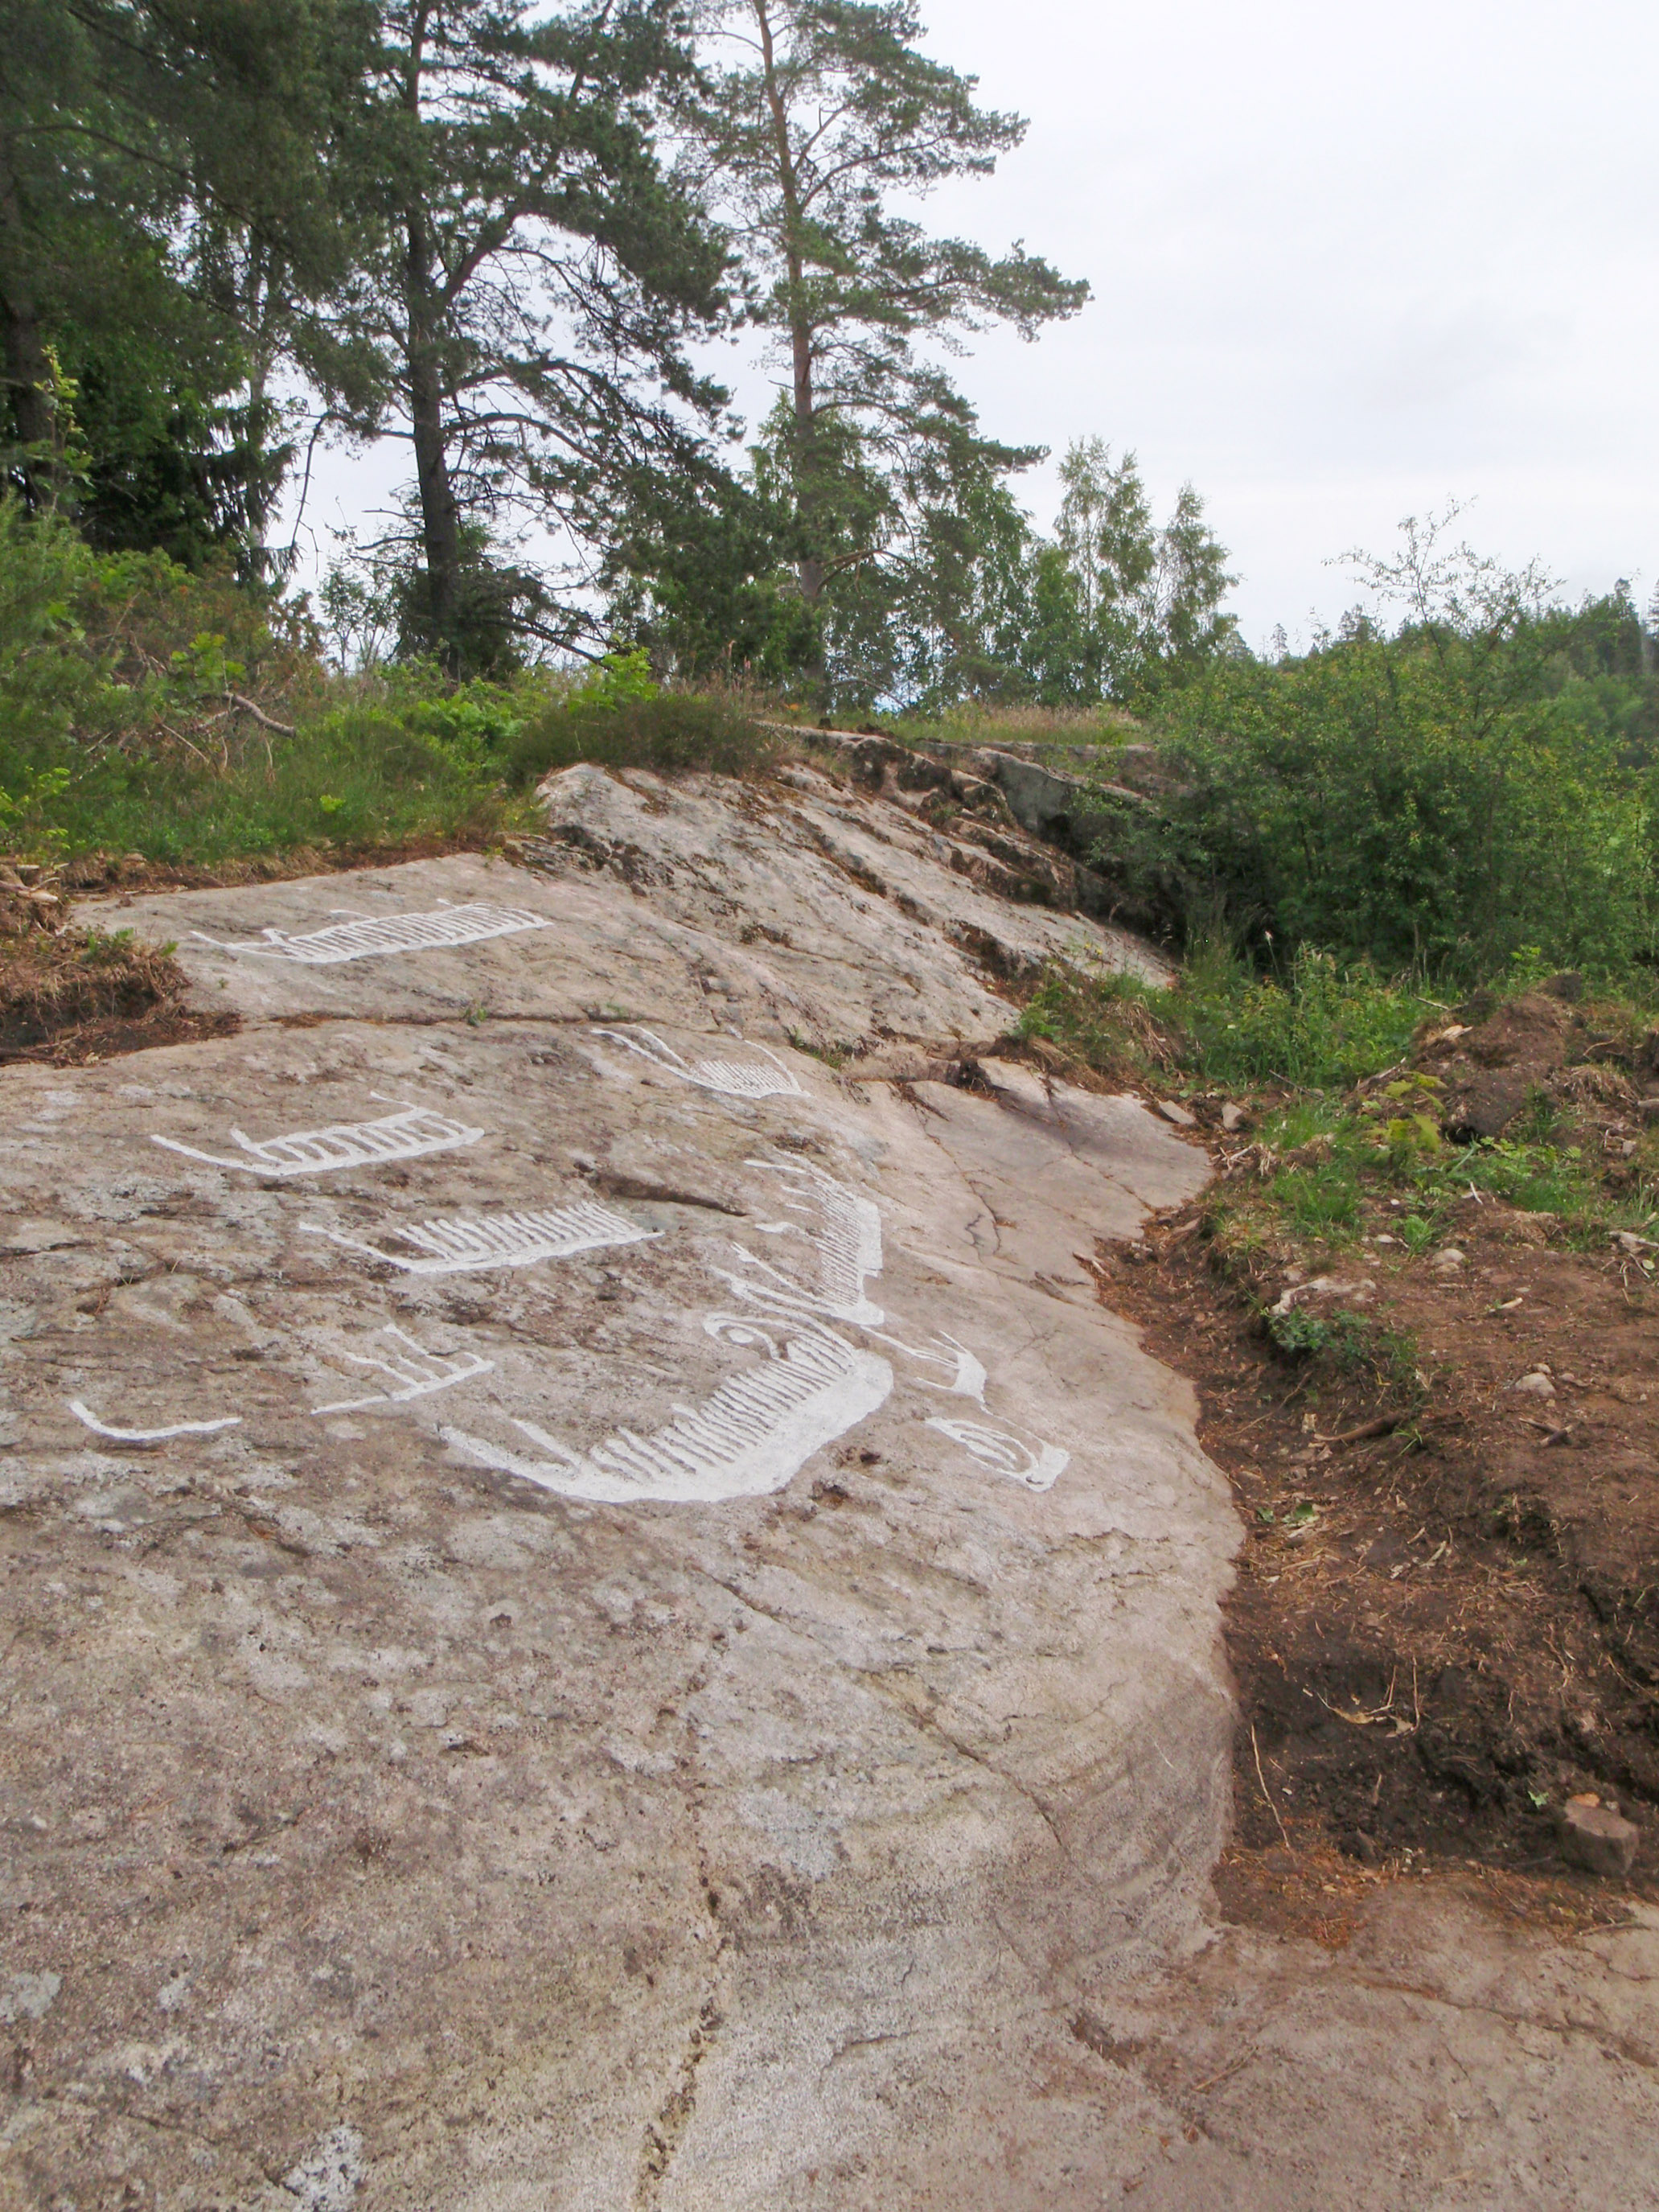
673 732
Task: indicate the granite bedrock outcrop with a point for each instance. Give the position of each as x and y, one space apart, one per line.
599 1616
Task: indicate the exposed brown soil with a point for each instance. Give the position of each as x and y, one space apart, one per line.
77 998
1441 1632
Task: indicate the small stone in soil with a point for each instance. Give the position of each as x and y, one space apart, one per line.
1597 1838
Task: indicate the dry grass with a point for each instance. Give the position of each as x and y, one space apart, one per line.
81 996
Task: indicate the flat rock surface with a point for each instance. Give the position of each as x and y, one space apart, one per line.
598 1616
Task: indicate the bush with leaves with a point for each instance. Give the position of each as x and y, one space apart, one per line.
1435 799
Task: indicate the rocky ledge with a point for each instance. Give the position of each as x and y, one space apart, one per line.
598 1615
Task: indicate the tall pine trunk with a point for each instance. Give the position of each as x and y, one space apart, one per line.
810 567
27 369
423 317
440 518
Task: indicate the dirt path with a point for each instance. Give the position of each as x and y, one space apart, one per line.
1444 1626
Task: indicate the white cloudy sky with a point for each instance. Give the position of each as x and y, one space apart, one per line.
1346 263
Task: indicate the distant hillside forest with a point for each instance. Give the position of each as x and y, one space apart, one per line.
509 241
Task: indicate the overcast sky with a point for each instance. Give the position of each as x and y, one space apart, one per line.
1345 265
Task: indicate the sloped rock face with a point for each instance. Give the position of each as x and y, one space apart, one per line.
598 1614
858 918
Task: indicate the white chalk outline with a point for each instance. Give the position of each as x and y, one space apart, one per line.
152 1436
406 1136
849 1248
456 1367
1003 1453
749 1438
731 1078
367 937
460 1243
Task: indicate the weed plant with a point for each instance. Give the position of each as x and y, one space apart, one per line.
1324 1026
671 733
146 710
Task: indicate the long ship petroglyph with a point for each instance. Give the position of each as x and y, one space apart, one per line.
404 1135
366 937
731 1078
461 1243
746 1439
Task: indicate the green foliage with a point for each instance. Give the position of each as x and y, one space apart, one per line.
1324 1025
696 568
812 120
1434 801
26 810
672 733
527 273
1123 609
109 662
618 679
164 172
1348 1344
1108 1019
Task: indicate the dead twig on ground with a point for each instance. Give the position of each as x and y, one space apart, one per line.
1383 1425
1256 1748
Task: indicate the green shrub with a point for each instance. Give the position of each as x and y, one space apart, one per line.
1348 1344
1324 1026
1421 802
1108 1019
674 731
124 722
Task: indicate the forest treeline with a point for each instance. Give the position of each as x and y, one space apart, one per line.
511 240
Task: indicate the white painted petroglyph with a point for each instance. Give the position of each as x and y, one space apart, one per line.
419 1371
366 937
401 1136
1004 1454
848 1245
152 1436
460 1243
969 1378
746 1440
732 1078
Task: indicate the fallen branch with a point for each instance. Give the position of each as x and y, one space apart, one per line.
1267 1793
1383 1425
265 721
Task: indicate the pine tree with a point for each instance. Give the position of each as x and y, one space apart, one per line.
530 278
813 115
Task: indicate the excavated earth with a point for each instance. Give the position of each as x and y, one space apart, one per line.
598 1615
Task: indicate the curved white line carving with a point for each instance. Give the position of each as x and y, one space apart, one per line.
460 1243
745 1441
732 1078
152 1436
421 1373
402 1136
848 1244
971 1376
368 938
1003 1454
